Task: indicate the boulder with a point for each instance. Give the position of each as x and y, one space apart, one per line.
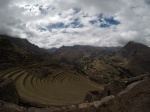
31 109
106 99
8 92
92 96
103 101
130 86
85 105
112 89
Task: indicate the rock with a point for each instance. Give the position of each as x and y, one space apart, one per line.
121 86
103 101
130 86
31 109
72 107
92 96
48 109
2 102
8 92
97 103
113 88
88 109
85 105
137 99
9 107
106 99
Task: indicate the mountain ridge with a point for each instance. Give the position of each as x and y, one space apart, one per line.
16 51
134 56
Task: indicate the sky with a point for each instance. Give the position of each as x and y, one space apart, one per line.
54 23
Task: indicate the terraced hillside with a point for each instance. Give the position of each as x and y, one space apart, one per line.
65 87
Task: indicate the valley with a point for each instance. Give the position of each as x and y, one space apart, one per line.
72 78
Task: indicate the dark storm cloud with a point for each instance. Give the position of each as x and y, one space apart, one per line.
4 3
147 1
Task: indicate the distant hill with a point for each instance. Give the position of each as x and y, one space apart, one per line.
52 50
106 62
77 51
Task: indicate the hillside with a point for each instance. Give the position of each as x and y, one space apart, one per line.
101 64
17 51
78 51
72 78
135 57
91 61
34 71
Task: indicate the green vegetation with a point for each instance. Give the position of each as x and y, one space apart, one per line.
62 88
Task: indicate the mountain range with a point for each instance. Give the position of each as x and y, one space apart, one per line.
113 67
133 57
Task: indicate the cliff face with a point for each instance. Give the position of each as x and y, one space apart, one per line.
8 92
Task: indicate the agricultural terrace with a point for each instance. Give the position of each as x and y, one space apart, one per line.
65 87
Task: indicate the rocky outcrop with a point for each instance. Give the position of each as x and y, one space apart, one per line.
132 95
113 88
130 86
92 96
104 101
9 107
122 85
8 92
136 99
96 104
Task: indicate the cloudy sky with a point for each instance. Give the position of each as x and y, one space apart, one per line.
54 23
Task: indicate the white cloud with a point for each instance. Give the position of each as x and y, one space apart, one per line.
29 19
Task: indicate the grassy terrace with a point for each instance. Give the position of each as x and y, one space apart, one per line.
63 88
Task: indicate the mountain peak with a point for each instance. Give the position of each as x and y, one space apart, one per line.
134 45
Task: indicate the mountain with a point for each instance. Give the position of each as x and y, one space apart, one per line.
24 44
16 51
52 50
106 62
91 61
135 57
77 51
34 69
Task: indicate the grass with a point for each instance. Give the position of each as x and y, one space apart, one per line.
65 87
